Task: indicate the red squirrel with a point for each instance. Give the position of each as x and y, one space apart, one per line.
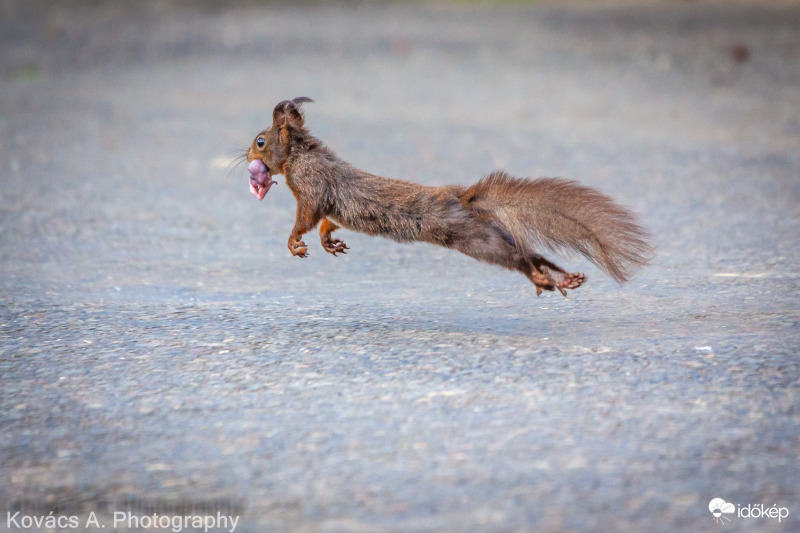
501 220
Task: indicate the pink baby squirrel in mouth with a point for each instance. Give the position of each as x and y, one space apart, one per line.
260 178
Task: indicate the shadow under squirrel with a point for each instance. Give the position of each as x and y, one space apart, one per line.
501 220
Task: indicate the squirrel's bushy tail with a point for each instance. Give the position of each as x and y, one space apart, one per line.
562 215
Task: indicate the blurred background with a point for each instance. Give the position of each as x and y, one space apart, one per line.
159 344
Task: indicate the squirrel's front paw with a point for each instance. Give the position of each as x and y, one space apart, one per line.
334 246
298 248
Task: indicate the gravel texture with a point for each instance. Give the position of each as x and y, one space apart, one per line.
159 345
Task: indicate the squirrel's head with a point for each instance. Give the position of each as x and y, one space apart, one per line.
271 148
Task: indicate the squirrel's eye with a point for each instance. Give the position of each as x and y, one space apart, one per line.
260 142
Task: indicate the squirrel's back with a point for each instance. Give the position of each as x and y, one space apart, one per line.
397 209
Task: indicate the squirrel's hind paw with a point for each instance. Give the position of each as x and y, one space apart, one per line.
571 281
545 282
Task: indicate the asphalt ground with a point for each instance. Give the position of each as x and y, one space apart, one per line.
161 351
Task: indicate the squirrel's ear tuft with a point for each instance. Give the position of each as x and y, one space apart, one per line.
287 113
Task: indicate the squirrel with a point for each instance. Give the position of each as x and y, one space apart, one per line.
501 219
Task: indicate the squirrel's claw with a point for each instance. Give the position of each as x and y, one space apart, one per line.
334 246
547 283
298 249
571 281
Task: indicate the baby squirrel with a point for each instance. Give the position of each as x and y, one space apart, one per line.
501 220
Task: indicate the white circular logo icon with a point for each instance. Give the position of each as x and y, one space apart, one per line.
719 508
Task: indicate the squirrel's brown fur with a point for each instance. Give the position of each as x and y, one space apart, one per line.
500 220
